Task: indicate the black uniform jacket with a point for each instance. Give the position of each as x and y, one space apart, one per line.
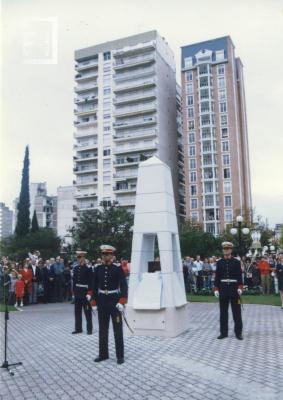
228 269
82 281
107 278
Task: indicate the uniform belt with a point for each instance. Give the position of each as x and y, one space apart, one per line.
229 280
108 291
79 285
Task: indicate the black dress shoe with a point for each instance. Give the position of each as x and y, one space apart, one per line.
239 337
98 359
120 361
222 336
75 332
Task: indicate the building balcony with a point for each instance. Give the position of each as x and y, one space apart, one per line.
82 159
86 146
134 61
136 110
86 77
135 97
134 85
133 149
86 100
134 74
87 182
89 122
129 136
85 88
87 207
84 113
85 133
135 123
137 49
124 190
126 176
126 201
88 170
84 65
85 195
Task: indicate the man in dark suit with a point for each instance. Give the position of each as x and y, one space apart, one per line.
36 277
228 288
48 277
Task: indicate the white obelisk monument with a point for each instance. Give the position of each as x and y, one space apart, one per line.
157 304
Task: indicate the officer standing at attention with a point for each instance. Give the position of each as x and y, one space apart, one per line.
82 288
228 288
110 295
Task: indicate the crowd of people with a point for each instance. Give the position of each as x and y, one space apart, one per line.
41 281
264 273
47 281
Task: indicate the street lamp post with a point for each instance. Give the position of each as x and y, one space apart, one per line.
239 230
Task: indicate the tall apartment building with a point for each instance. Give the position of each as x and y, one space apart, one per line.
125 113
66 216
6 221
215 134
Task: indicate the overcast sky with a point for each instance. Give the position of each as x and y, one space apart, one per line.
37 98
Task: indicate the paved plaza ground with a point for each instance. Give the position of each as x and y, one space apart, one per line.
58 365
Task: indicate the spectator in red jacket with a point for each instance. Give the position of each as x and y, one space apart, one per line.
264 268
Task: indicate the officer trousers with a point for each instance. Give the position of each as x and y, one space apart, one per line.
81 304
236 311
105 311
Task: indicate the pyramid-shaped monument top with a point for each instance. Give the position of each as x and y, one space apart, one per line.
154 160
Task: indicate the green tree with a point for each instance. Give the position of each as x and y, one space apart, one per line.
34 223
44 240
23 218
110 224
194 241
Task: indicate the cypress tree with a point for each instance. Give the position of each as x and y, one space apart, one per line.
34 223
23 220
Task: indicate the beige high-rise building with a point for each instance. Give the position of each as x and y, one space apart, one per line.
216 150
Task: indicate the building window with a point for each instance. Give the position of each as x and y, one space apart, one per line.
192 137
219 55
227 187
223 107
220 69
190 100
227 201
194 216
189 76
225 146
193 176
193 163
188 62
204 106
106 116
191 125
106 91
208 187
209 200
203 81
205 133
226 173
193 190
222 94
204 94
226 159
224 132
106 164
106 152
106 128
205 119
203 69
194 204
221 82
223 120
192 151
190 113
228 215
107 56
210 228
189 88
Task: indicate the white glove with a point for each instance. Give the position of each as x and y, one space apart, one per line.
120 307
216 293
240 292
88 297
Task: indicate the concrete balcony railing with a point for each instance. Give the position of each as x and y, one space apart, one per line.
135 122
134 97
134 74
133 85
85 195
85 88
86 77
136 49
85 133
84 65
85 169
130 149
87 99
134 61
146 133
89 122
83 113
136 109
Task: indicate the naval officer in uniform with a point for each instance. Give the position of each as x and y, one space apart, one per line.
110 295
82 288
228 287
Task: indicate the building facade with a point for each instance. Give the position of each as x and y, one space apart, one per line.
66 215
6 221
217 167
125 112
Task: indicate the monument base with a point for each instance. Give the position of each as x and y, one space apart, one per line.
167 322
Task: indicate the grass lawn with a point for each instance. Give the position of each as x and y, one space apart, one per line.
10 308
270 300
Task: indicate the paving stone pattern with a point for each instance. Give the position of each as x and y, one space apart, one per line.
193 366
